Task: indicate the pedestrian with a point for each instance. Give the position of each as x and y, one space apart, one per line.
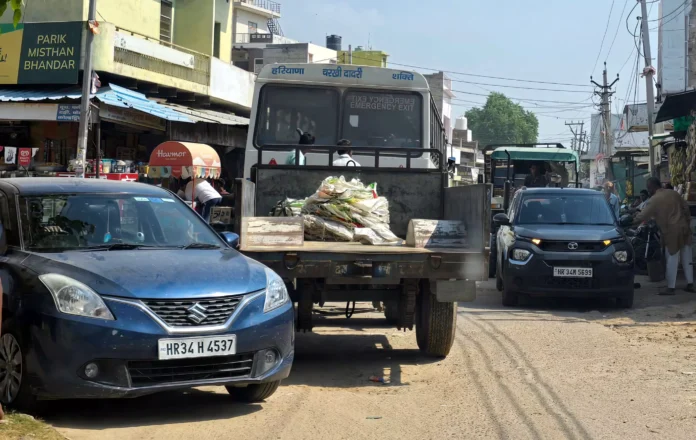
673 217
534 179
345 156
612 199
205 194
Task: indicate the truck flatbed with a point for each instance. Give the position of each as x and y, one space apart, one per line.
355 248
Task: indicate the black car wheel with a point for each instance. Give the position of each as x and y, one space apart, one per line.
510 297
625 301
14 389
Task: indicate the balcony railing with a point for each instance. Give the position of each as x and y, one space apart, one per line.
268 5
262 38
196 71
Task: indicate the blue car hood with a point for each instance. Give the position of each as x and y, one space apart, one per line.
568 232
156 274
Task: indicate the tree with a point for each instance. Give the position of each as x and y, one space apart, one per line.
16 6
502 121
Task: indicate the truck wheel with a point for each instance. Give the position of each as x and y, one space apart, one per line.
391 312
492 257
436 323
253 393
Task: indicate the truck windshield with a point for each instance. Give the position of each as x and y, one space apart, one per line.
382 119
369 118
83 221
565 209
285 109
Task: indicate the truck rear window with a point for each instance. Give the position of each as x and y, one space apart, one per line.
376 119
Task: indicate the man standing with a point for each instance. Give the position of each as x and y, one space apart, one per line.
305 139
345 157
612 199
205 194
672 215
534 179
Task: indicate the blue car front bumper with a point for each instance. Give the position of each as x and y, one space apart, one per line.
126 351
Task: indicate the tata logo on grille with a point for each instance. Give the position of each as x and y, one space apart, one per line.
573 246
197 313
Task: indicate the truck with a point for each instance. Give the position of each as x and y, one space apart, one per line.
507 165
397 137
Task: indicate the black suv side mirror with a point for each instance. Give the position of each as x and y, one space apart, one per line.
501 219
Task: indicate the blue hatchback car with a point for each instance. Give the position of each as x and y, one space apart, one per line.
115 289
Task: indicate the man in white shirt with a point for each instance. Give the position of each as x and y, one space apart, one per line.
345 156
205 194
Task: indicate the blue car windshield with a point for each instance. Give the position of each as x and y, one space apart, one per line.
84 221
577 209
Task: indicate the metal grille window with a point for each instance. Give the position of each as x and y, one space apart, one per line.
166 21
253 27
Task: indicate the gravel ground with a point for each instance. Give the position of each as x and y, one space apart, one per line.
545 370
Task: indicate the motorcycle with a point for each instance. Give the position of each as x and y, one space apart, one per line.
646 246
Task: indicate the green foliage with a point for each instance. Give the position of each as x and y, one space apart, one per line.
3 7
502 121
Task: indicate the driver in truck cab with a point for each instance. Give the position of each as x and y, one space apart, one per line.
535 179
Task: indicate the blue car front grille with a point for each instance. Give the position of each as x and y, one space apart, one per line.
194 312
148 373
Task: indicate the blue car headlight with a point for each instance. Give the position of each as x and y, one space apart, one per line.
74 298
276 292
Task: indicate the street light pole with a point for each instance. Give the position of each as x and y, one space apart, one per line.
85 102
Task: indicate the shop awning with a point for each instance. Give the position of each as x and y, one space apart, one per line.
209 116
676 106
112 95
184 159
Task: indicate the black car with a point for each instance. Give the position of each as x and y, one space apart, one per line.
563 242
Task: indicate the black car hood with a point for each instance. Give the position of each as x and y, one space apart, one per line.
568 232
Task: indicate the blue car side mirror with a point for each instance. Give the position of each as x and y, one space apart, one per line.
231 238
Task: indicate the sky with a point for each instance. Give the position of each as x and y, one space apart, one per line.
560 41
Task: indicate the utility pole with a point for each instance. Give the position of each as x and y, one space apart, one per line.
576 144
606 142
85 103
648 73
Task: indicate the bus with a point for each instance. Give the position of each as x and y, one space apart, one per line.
374 108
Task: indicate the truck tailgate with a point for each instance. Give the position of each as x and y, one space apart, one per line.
355 248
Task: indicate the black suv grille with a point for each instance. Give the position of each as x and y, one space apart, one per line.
146 373
214 311
562 246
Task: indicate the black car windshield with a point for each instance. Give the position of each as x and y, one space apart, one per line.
578 209
53 222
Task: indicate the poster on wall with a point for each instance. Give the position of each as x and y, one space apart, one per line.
40 53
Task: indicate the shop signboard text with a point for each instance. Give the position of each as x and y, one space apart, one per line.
40 53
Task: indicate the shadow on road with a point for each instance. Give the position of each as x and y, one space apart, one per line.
157 409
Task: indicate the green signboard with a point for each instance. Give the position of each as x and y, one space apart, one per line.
40 53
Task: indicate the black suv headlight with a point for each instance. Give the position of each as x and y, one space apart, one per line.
520 254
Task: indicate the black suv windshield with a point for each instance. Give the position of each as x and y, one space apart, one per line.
95 221
578 209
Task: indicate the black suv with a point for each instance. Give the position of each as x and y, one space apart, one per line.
562 242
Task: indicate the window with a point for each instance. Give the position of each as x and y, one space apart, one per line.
83 221
283 110
573 209
166 21
382 119
253 27
216 40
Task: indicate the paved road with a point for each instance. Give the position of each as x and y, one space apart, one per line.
547 370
